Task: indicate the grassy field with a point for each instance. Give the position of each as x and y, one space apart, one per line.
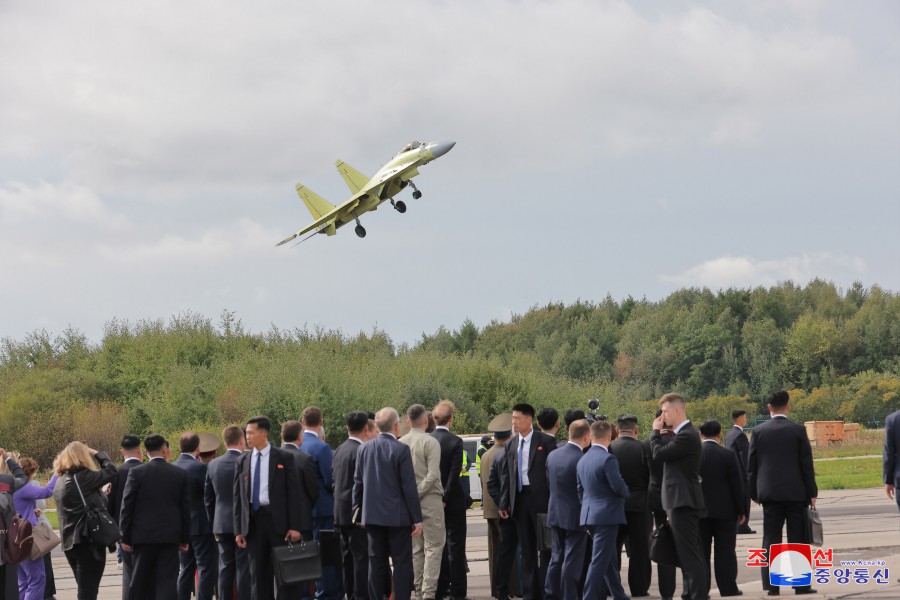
848 474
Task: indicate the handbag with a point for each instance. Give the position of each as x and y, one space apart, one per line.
17 540
814 522
101 527
662 546
296 563
44 539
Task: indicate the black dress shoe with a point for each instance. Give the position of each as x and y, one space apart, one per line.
774 592
806 591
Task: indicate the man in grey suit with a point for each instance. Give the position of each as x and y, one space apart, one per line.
234 563
563 515
682 494
426 459
891 450
736 440
384 488
603 493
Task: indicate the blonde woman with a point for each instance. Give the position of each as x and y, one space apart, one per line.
92 470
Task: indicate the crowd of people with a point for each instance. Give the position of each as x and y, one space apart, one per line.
559 514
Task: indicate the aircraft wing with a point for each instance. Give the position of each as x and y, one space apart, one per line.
326 219
405 171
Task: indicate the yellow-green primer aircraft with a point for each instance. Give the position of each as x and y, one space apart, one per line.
369 193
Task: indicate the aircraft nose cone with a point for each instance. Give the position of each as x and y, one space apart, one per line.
441 148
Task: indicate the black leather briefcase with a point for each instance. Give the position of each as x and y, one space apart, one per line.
296 563
662 546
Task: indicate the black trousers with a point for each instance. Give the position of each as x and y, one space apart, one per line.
88 562
261 539
726 569
234 568
154 573
774 516
394 543
745 528
505 559
665 574
355 555
50 588
453 580
200 556
534 559
127 570
635 536
685 523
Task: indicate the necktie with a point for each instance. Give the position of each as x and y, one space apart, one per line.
521 446
256 482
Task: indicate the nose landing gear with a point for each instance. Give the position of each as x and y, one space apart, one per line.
416 194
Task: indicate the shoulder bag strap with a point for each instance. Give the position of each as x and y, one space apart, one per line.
78 487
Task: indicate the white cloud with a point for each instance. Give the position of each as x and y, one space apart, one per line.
742 271
49 203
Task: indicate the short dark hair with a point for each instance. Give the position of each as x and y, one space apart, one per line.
778 399
737 413
710 428
601 429
627 422
130 442
502 435
357 421
232 435
154 442
312 416
431 425
291 430
572 415
261 422
189 442
415 412
371 415
524 408
547 418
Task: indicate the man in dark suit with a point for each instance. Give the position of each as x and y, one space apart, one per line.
563 515
682 495
736 440
155 521
891 464
384 488
665 574
634 463
782 479
354 544
603 493
130 449
330 586
452 580
723 494
234 563
266 504
307 470
200 558
525 494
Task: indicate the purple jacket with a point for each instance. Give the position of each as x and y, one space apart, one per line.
25 498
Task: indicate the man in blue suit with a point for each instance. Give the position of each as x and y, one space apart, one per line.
563 512
891 450
234 562
603 493
201 556
331 586
384 487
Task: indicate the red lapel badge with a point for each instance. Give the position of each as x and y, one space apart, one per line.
540 448
279 466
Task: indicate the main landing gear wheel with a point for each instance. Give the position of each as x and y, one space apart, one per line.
417 194
360 231
400 206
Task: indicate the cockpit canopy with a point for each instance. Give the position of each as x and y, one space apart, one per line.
411 146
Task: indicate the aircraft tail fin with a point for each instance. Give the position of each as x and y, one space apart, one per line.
353 178
317 205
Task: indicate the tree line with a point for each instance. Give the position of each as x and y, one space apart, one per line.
837 350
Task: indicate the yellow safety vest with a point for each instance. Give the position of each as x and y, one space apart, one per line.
465 464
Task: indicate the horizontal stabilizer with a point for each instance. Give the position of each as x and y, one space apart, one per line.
317 205
355 180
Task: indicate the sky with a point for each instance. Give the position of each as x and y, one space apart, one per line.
149 152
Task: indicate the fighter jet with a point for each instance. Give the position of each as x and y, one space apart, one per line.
369 193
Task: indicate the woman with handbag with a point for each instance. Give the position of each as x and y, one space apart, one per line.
32 577
82 472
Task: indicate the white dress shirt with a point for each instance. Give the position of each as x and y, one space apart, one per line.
525 444
683 423
599 446
263 474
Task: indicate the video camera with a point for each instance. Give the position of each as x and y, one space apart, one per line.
593 404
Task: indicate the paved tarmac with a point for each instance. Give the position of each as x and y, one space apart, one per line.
858 524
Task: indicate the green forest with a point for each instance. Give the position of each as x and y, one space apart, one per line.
837 351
